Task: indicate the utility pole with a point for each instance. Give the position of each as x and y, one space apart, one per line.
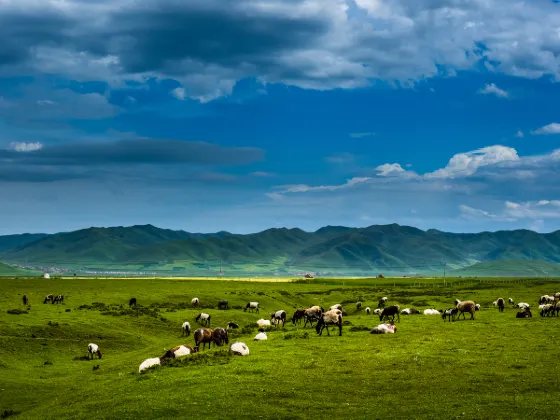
444 272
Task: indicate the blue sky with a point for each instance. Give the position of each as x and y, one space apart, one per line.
208 116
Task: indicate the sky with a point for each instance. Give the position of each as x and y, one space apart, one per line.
257 114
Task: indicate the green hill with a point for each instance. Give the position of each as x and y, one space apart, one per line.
6 270
511 268
391 249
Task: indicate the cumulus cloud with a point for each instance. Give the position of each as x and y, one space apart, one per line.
552 128
25 147
492 89
320 44
179 93
389 169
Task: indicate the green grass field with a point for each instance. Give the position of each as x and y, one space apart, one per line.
496 367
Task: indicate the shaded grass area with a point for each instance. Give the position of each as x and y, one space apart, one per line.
429 369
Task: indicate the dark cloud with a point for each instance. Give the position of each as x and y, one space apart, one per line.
19 173
136 151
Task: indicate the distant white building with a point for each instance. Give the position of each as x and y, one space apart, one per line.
46 275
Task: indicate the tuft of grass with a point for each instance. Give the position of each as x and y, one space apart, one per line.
17 312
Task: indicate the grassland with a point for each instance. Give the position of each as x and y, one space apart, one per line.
495 367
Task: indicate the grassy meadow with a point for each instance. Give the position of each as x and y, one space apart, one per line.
494 367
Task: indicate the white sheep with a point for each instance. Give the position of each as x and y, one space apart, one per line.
457 301
93 349
510 301
368 310
148 363
384 329
477 307
263 323
377 311
495 303
337 306
431 312
186 327
195 301
239 349
523 305
261 336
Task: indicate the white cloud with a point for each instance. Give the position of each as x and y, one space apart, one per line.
390 169
552 128
179 93
25 147
476 213
466 164
519 133
302 188
492 89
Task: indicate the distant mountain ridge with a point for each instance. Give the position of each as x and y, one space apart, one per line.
331 248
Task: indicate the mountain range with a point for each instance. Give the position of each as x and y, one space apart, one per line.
332 249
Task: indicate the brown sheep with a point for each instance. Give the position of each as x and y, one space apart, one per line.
203 335
220 336
333 317
466 306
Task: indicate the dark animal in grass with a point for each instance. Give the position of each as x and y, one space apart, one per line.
48 298
526 313
501 304
132 302
278 317
220 336
92 350
252 306
232 326
382 302
466 306
24 299
333 317
58 299
204 318
358 306
547 310
390 311
223 304
203 335
298 316
450 314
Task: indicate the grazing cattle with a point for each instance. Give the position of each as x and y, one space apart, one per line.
299 314
390 311
252 306
279 317
220 336
58 299
186 327
93 349
232 326
389 328
524 313
333 317
204 319
239 349
382 302
132 302
501 304
203 335
466 306
24 299
450 314
223 304
195 301
48 298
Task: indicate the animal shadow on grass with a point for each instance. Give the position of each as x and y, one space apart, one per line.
7 413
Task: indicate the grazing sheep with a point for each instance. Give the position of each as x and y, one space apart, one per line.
511 302
368 310
377 311
466 306
382 302
156 361
389 328
299 314
260 336
195 301
232 326
204 319
263 323
546 309
337 306
457 301
358 305
523 305
93 349
223 304
279 317
312 314
132 302
186 327
524 313
477 307
252 306
409 311
557 295
501 304
450 314
239 349
431 311
390 311
333 317
203 335
220 336
58 299
182 350
48 298
495 303
24 299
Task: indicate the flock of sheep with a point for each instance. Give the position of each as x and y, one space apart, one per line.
549 305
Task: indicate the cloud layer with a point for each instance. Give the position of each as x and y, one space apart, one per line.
322 44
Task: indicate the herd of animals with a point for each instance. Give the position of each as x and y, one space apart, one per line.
549 305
